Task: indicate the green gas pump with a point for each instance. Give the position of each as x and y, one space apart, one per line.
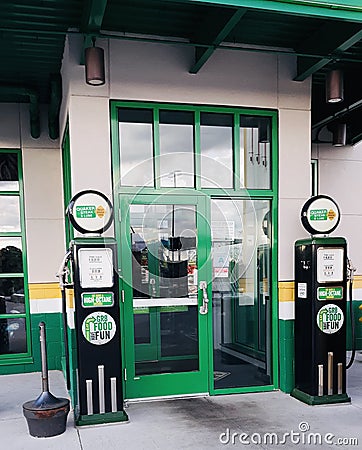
320 306
95 355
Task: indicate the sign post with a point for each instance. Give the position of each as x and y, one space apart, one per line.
320 306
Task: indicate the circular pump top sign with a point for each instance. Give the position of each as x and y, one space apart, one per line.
90 212
320 215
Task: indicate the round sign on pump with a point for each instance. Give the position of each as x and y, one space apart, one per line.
90 212
330 318
320 215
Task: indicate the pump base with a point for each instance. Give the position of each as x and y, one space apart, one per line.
319 400
101 419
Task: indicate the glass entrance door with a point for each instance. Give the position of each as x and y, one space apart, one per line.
165 272
241 293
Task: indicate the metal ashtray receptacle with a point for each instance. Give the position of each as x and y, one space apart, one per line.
46 416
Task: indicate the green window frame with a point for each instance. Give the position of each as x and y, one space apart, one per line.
236 192
14 328
267 193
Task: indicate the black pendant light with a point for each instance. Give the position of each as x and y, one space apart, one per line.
334 86
94 65
339 135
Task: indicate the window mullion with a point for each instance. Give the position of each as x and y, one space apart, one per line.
197 150
156 147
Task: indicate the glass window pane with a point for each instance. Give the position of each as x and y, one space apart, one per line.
177 148
216 141
255 152
141 326
164 258
12 299
164 280
11 257
241 292
9 214
136 147
12 336
9 175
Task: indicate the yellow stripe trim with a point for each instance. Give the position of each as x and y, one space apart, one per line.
286 288
357 282
69 295
40 291
286 291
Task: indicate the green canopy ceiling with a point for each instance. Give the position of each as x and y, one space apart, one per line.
321 35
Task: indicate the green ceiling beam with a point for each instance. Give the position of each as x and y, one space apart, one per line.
93 14
216 27
91 21
330 40
336 9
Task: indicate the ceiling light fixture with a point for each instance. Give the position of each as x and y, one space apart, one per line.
339 135
94 65
334 86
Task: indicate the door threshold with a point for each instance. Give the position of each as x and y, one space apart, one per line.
165 397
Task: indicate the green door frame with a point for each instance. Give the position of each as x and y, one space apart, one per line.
167 384
236 192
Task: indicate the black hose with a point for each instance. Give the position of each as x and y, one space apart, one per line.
353 328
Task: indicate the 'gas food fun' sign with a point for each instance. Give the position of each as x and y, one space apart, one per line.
99 328
330 318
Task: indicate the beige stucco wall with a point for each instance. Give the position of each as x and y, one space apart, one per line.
44 217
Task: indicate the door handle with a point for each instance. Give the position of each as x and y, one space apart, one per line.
205 300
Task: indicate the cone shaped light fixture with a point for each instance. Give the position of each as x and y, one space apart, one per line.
94 65
339 135
334 86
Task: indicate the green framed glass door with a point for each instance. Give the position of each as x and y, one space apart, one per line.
165 268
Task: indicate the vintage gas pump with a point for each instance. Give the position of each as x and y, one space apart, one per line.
97 353
320 306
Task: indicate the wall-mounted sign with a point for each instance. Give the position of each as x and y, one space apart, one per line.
97 299
96 267
90 212
320 215
330 318
99 328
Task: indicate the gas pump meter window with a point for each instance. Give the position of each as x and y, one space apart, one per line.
330 264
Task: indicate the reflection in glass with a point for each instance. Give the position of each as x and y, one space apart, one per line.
164 280
176 148
241 292
9 175
11 258
255 147
12 299
13 336
136 146
216 141
9 214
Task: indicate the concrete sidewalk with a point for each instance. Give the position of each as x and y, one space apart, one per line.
194 423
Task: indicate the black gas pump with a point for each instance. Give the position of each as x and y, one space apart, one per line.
96 355
320 306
